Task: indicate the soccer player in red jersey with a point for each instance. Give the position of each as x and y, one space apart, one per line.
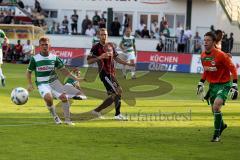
104 54
218 68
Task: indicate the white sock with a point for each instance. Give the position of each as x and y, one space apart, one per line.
52 110
1 74
133 69
66 111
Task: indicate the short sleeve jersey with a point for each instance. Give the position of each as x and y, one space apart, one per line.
128 43
44 68
105 65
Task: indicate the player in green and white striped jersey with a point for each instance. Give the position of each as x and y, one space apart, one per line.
2 39
128 47
96 39
44 65
73 83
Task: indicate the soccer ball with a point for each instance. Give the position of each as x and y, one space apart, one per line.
19 96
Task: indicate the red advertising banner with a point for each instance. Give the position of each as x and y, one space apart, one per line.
65 53
156 61
172 58
70 56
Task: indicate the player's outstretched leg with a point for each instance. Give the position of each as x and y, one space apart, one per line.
118 115
49 102
107 102
66 109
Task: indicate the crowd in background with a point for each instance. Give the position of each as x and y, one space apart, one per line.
184 41
17 53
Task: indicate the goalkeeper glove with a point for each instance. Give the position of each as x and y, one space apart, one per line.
233 93
200 90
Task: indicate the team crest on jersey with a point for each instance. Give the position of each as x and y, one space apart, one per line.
213 63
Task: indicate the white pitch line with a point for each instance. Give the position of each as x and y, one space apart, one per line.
30 124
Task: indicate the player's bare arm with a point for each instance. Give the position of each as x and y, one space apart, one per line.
29 80
67 73
122 47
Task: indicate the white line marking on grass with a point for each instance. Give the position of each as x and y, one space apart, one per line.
29 124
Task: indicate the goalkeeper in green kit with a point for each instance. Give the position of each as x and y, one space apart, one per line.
218 70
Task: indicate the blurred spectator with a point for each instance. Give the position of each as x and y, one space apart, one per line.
197 41
102 23
95 20
188 33
160 45
166 31
103 17
10 53
140 28
13 21
37 6
8 18
126 22
5 48
28 51
225 44
55 28
90 31
65 25
58 29
74 24
154 25
231 41
18 51
182 41
179 29
10 57
20 4
38 18
44 26
115 27
2 17
145 33
85 24
162 24
156 33
212 29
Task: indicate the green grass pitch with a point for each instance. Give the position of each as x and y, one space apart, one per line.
28 132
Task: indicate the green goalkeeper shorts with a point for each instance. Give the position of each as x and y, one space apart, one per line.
219 90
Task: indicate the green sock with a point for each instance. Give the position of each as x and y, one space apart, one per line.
218 123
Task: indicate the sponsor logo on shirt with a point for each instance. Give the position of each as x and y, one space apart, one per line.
213 63
45 68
